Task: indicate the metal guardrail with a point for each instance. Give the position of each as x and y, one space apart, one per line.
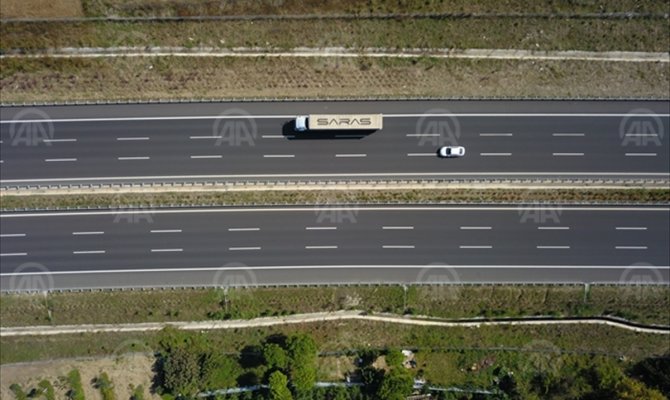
321 99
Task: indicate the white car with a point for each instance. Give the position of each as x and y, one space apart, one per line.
451 151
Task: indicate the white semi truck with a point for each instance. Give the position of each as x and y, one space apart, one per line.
324 122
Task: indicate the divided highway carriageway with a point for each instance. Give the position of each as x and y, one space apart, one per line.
334 244
255 141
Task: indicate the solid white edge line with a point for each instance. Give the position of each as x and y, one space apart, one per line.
308 267
11 235
88 233
165 231
166 250
341 208
492 173
279 116
89 252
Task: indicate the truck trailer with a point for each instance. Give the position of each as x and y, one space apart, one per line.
326 122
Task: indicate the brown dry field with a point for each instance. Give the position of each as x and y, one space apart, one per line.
40 8
123 371
211 77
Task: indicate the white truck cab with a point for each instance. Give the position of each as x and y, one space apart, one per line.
301 123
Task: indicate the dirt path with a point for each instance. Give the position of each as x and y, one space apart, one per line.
309 318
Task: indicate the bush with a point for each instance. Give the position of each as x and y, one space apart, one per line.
76 391
19 394
105 386
47 389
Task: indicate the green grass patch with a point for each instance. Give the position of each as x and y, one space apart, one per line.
8 202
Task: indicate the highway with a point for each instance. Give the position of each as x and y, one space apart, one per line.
329 244
255 141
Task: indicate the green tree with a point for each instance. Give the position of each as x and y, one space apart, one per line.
138 393
278 386
396 384
181 371
394 358
47 389
104 384
275 356
218 371
302 362
19 394
630 389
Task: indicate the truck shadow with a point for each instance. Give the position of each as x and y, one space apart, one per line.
288 131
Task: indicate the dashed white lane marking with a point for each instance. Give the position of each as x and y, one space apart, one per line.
553 247
320 247
351 155
11 235
243 248
60 159
553 228
279 155
88 233
476 227
495 134
207 156
13 254
58 140
568 134
1 161
422 134
321 228
421 155
89 252
166 250
495 154
567 154
205 137
630 247
165 231
132 158
397 246
475 247
397 227
640 154
243 229
277 136
132 138
631 228
642 134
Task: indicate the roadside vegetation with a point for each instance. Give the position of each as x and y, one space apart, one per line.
644 304
511 363
315 197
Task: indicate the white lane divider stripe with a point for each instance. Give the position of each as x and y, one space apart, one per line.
58 140
631 247
11 235
207 156
320 247
321 228
640 154
166 250
60 159
132 138
13 254
631 228
422 134
568 134
475 247
350 155
132 158
89 252
279 155
495 134
243 248
567 154
243 229
553 247
165 231
397 227
476 227
553 228
205 137
397 246
88 233
495 154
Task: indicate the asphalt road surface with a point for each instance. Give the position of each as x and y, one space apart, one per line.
324 244
252 141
